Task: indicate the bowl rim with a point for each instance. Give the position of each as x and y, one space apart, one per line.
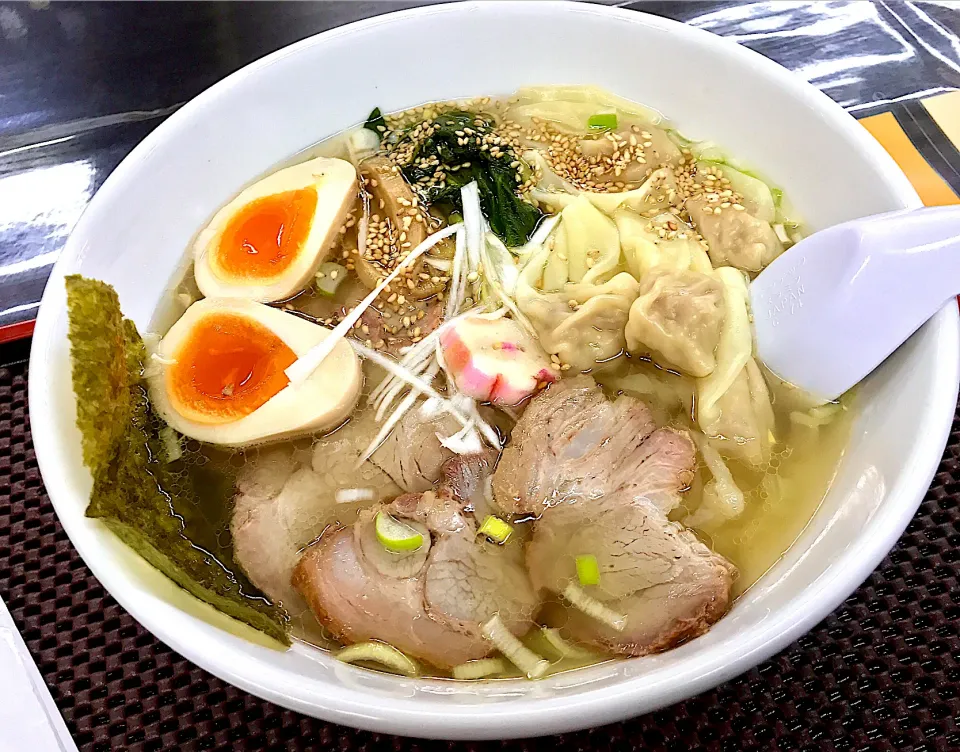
417 717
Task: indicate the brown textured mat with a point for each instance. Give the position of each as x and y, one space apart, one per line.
883 673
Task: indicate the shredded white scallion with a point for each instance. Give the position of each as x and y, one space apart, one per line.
306 364
405 404
415 355
593 608
465 441
480 669
382 653
473 223
513 650
456 291
781 233
350 495
495 283
468 405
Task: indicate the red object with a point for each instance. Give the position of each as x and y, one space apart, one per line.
12 332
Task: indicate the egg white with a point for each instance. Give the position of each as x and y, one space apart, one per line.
336 183
321 402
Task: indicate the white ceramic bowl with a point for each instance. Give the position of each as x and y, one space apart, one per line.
137 227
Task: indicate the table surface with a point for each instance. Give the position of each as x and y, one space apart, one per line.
82 83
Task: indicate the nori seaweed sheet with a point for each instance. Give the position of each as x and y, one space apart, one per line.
140 496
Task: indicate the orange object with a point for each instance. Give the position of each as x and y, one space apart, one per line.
228 367
264 237
933 189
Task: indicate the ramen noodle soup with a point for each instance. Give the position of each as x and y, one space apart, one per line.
467 391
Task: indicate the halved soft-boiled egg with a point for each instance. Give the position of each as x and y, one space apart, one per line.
218 375
267 243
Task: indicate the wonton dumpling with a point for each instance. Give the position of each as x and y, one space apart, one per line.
583 336
644 249
736 238
677 315
733 402
740 425
661 151
586 247
735 346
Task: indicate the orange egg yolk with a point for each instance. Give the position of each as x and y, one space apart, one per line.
262 239
228 366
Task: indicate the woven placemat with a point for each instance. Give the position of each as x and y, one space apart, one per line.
882 673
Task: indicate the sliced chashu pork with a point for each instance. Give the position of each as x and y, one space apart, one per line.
282 503
602 479
668 585
573 443
430 603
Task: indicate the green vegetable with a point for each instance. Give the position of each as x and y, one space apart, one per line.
396 536
606 121
496 529
148 501
329 277
462 161
375 122
777 197
588 571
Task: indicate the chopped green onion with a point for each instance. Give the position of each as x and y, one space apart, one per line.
588 571
513 650
603 121
480 669
496 529
329 276
777 196
594 608
379 652
395 535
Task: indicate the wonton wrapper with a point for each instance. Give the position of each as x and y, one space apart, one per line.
721 499
644 249
655 195
733 402
677 315
741 425
586 247
755 194
568 108
588 335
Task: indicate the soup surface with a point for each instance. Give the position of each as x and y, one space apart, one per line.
470 391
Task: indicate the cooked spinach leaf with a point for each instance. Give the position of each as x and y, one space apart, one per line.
457 150
151 504
375 122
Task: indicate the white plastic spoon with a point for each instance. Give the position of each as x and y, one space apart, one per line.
830 309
